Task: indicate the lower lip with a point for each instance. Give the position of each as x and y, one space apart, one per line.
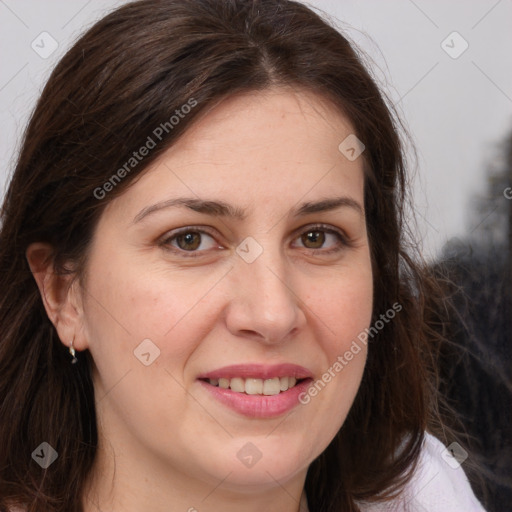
259 406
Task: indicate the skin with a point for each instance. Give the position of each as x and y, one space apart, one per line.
175 447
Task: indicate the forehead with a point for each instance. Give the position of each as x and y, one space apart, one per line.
268 123
267 149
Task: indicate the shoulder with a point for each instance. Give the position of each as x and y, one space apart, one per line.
438 484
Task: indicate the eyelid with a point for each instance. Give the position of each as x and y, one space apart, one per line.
321 227
185 229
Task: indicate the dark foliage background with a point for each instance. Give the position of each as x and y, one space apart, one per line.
476 361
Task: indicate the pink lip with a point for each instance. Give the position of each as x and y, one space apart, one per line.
258 406
258 371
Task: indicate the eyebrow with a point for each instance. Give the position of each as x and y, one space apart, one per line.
223 209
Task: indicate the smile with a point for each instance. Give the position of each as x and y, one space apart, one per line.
256 390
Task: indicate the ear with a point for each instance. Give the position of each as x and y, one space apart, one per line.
61 295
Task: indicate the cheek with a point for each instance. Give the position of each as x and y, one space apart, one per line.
126 306
127 303
342 309
344 304
345 352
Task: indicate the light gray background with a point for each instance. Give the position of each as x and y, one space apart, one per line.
458 110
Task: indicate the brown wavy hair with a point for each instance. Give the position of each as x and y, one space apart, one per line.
124 77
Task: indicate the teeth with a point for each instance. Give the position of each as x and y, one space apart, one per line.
272 386
237 384
255 386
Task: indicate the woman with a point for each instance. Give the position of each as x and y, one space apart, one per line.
206 301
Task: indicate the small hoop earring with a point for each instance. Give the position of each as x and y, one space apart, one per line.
72 352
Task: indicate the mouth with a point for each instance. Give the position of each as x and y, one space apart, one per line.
257 391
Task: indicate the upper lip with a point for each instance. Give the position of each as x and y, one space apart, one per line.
258 371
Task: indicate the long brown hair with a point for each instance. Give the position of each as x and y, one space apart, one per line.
126 76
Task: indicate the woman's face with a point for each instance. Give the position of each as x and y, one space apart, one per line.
239 259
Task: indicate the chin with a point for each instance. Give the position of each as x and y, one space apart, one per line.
260 462
261 477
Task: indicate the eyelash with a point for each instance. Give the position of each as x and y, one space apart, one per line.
343 241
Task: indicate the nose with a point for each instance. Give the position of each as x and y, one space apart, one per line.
263 303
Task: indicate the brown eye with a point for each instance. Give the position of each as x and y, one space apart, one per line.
191 241
322 240
313 239
188 241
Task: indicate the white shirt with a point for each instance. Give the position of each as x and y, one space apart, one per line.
439 484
